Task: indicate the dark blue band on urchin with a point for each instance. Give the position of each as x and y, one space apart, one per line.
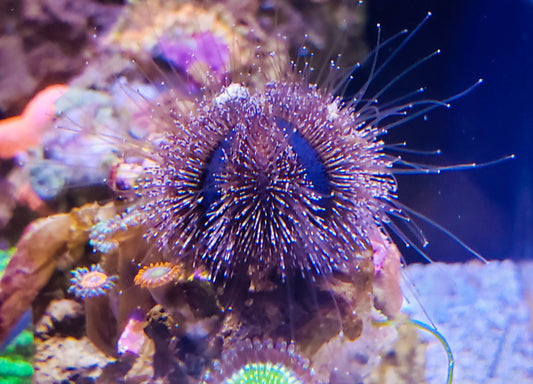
308 157
210 192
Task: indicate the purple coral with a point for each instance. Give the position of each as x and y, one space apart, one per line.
203 47
132 338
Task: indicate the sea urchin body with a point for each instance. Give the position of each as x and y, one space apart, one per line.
284 178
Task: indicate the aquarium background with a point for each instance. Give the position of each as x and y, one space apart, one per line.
480 309
491 209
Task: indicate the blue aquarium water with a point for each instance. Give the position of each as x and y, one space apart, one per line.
491 209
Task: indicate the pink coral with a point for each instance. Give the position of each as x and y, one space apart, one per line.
19 133
132 337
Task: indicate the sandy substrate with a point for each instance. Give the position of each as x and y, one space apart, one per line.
485 314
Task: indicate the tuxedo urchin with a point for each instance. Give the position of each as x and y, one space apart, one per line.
286 178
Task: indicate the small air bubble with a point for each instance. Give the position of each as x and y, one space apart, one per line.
425 117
